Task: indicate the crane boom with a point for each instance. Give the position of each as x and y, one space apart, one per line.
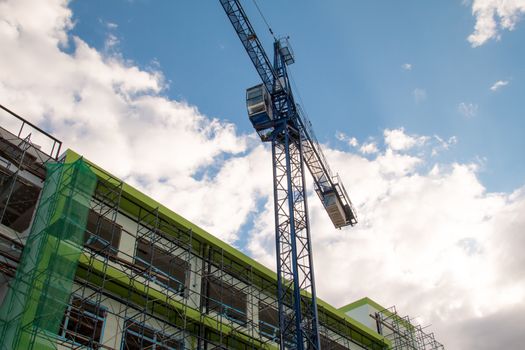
279 120
328 187
251 42
325 182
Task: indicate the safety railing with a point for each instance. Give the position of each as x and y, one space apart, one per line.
40 139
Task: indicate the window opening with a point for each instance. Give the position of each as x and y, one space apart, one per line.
166 269
17 201
227 300
139 336
102 235
83 323
268 321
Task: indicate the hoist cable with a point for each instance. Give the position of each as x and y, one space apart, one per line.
297 91
264 19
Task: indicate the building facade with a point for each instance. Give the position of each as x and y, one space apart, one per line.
87 261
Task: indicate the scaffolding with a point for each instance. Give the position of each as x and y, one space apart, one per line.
133 276
37 298
145 294
49 147
170 288
335 335
403 332
158 283
144 279
23 166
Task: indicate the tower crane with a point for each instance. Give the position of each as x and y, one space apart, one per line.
278 119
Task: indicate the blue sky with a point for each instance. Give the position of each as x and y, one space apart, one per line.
349 69
419 105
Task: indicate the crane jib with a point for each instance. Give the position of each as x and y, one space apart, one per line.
317 165
250 42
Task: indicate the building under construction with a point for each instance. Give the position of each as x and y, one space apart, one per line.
89 262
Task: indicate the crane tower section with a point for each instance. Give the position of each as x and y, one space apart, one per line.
277 119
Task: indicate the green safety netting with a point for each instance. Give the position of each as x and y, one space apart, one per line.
34 307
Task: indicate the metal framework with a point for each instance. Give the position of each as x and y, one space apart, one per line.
25 129
144 278
10 183
21 154
17 195
293 244
144 302
403 332
221 302
293 146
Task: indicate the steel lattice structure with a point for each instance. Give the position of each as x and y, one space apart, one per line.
294 259
279 120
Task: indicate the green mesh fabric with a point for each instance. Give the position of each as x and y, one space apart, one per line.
34 306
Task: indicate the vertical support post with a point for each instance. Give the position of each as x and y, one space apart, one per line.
314 338
280 287
298 317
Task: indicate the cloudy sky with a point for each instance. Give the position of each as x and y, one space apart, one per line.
419 106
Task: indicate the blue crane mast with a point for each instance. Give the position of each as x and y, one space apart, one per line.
278 119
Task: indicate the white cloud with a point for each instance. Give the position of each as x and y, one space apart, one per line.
116 114
341 136
468 110
111 42
352 141
420 95
493 16
499 84
434 242
443 145
406 66
398 140
369 148
108 24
